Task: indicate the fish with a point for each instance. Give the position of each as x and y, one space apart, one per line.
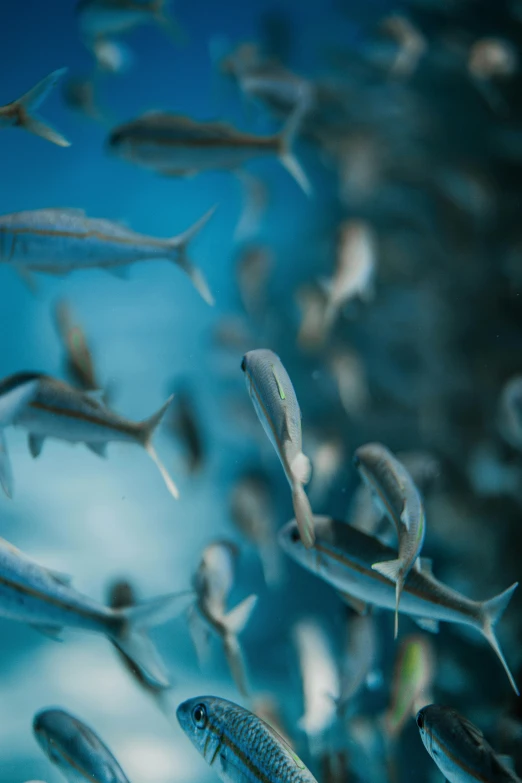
327 460
252 511
58 410
100 19
355 269
14 396
75 749
238 745
276 405
394 490
359 659
350 376
492 59
59 241
186 425
343 557
510 412
412 680
175 145
111 56
459 748
266 707
21 113
79 363
45 600
254 265
79 95
213 582
311 301
410 41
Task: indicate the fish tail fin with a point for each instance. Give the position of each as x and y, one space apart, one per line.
492 611
235 620
179 245
28 104
287 157
392 569
304 515
147 430
130 633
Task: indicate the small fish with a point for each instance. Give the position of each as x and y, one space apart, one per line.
58 241
112 56
21 113
75 749
253 269
43 599
359 658
459 748
174 145
492 57
104 18
327 461
350 376
355 268
213 582
276 405
79 363
396 493
80 95
60 411
343 557
412 680
311 301
238 745
186 425
252 512
411 44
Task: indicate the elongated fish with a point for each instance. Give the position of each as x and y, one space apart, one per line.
79 363
343 556
101 18
75 749
459 748
238 745
399 498
174 145
412 680
21 113
276 405
59 241
60 411
185 424
32 594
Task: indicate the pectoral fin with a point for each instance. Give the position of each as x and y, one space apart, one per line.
35 445
98 448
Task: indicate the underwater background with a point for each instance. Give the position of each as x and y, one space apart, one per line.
433 351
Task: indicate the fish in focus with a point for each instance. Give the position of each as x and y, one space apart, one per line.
75 749
58 241
343 557
276 405
399 498
238 745
43 599
174 145
99 19
459 748
213 582
412 681
79 364
21 113
60 411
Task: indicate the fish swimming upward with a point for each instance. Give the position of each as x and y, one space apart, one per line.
343 557
60 411
59 241
20 113
174 145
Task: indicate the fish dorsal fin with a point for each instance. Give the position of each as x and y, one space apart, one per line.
473 732
100 449
279 385
424 565
284 743
35 443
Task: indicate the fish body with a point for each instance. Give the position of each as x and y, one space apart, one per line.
396 493
459 748
412 679
80 95
238 745
276 405
79 361
102 18
343 557
359 658
21 113
186 425
75 749
58 241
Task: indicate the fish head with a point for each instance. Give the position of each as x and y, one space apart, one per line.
53 732
201 718
290 542
431 722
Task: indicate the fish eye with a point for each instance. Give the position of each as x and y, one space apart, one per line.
243 364
199 716
294 535
420 720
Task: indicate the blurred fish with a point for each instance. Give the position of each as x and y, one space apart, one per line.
174 145
276 405
327 457
320 679
343 557
459 748
255 200
252 512
394 490
359 658
112 56
60 411
58 241
410 41
239 745
510 412
355 269
21 113
79 94
75 749
78 358
253 269
43 599
412 681
186 425
213 582
311 300
491 59
349 373
104 18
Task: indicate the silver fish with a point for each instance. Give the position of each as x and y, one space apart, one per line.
100 19
32 594
60 411
276 405
80 95
21 113
343 557
75 749
411 44
459 748
412 681
396 493
186 426
174 145
253 268
359 658
79 363
58 241
112 56
238 745
213 582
